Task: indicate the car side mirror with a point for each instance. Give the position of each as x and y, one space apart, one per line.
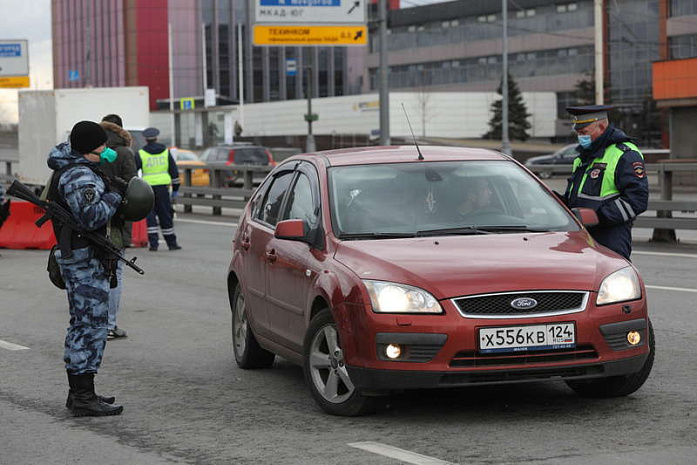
587 216
292 230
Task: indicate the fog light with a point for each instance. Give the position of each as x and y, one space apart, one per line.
633 337
393 351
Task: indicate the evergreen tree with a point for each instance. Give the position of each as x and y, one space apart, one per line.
518 123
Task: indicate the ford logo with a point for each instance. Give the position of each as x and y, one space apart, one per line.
524 303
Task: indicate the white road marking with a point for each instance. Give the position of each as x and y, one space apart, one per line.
666 288
665 254
402 455
11 346
214 223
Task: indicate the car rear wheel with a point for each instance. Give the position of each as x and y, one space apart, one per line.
617 386
326 373
248 352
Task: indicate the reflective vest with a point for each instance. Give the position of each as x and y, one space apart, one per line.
155 167
598 181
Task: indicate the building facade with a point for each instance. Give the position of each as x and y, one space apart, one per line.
126 43
457 46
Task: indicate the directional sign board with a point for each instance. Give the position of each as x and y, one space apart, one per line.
310 35
310 11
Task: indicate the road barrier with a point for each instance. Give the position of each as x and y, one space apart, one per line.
20 231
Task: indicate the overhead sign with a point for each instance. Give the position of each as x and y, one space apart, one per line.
310 11
310 35
14 82
14 58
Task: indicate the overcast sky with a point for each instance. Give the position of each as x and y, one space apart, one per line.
31 20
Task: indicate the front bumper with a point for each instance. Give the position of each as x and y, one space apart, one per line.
381 380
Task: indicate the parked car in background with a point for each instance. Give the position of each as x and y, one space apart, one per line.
379 271
187 158
563 156
237 154
282 153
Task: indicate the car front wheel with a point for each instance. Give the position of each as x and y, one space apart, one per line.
248 352
325 370
617 386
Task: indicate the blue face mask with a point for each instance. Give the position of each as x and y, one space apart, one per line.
584 140
107 156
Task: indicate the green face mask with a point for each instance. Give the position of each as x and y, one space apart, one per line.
107 156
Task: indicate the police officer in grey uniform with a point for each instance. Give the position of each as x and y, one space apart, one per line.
77 186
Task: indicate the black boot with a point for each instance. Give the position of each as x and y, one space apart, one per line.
71 394
85 402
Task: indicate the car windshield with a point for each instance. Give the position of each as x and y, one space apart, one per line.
440 198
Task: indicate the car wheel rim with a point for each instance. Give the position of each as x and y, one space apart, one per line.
240 326
327 368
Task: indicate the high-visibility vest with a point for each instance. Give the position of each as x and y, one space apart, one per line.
155 167
598 181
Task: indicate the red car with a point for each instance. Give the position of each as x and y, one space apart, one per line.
378 269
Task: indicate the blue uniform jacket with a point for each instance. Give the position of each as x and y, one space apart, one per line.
82 189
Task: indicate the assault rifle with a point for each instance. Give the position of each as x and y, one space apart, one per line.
59 214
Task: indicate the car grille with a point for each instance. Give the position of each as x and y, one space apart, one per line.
499 305
470 359
510 376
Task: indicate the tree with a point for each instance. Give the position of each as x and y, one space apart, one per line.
518 123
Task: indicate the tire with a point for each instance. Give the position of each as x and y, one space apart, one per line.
325 371
617 386
248 352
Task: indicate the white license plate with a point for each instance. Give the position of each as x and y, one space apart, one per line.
524 338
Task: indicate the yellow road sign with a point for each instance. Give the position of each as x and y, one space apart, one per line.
310 35
14 82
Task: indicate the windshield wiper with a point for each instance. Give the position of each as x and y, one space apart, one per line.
512 228
376 235
459 231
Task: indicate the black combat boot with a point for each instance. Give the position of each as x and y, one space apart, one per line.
71 394
85 402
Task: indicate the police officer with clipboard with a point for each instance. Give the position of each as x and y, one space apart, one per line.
608 176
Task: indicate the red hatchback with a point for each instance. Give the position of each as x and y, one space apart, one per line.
377 270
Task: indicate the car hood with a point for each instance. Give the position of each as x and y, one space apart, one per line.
450 266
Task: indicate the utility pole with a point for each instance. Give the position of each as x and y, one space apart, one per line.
310 143
505 143
171 84
384 88
240 74
599 74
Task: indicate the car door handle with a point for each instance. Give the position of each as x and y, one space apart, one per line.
245 243
271 256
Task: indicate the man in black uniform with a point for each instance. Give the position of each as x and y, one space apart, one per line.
608 176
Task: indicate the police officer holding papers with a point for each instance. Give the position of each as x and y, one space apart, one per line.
608 176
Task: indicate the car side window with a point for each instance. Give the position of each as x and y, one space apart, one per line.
271 205
206 154
300 204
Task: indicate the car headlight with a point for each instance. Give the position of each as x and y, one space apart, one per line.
620 286
389 297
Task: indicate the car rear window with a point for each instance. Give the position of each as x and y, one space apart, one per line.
251 156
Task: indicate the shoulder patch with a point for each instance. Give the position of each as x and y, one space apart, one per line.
89 195
638 168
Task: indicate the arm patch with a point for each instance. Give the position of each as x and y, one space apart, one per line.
638 168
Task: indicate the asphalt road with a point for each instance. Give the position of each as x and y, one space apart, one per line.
185 400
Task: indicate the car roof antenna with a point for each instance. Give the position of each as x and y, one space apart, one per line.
421 157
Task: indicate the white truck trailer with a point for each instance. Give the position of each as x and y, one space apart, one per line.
47 116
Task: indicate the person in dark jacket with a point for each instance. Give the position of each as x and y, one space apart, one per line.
608 176
160 171
77 186
124 167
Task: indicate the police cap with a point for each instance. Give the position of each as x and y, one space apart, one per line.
151 133
588 114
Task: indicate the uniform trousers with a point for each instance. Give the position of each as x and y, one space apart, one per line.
162 212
